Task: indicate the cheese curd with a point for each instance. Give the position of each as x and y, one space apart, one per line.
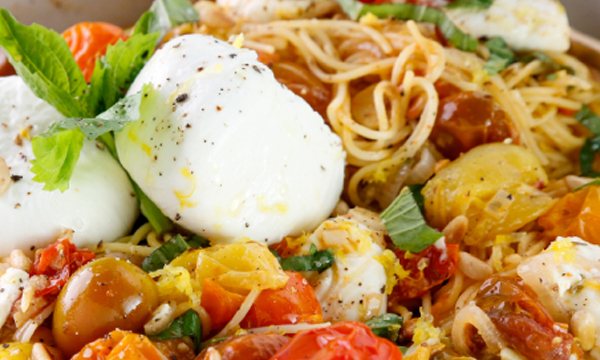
229 153
566 278
524 25
270 10
98 206
353 289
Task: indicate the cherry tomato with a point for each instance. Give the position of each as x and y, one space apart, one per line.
523 322
120 345
102 296
430 3
293 304
247 347
576 214
6 68
428 268
304 84
88 42
340 341
219 303
58 261
468 119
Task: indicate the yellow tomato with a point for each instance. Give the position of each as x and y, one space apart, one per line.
16 351
495 185
240 267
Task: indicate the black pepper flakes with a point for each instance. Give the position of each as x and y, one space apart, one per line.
16 178
181 98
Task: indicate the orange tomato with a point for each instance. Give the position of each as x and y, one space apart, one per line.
247 347
88 42
468 119
340 341
120 345
295 303
576 214
219 303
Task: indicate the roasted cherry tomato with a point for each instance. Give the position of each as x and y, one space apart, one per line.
468 119
58 261
523 322
293 304
429 268
247 347
88 42
102 296
120 345
6 68
576 214
304 84
340 341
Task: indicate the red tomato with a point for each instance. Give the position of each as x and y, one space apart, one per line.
340 341
120 345
429 268
6 68
88 42
293 304
58 261
576 214
247 347
523 322
468 119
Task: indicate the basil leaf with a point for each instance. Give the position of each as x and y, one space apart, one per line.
198 242
118 68
55 158
166 14
386 326
475 4
590 148
501 56
165 254
403 349
187 324
589 118
418 195
114 119
142 26
160 223
276 254
316 261
420 13
43 60
406 226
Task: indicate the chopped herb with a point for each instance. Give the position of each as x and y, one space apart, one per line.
592 145
406 226
474 4
404 11
170 250
187 324
316 261
501 56
386 326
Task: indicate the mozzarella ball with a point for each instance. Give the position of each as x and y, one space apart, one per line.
524 25
98 206
271 10
228 152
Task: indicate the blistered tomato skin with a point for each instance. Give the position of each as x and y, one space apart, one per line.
102 296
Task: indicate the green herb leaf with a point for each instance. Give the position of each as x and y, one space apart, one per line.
55 158
316 261
461 40
166 14
403 349
160 223
43 60
406 226
142 26
187 324
589 118
169 251
501 56
590 148
386 326
418 195
593 182
198 242
474 4
276 254
117 69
